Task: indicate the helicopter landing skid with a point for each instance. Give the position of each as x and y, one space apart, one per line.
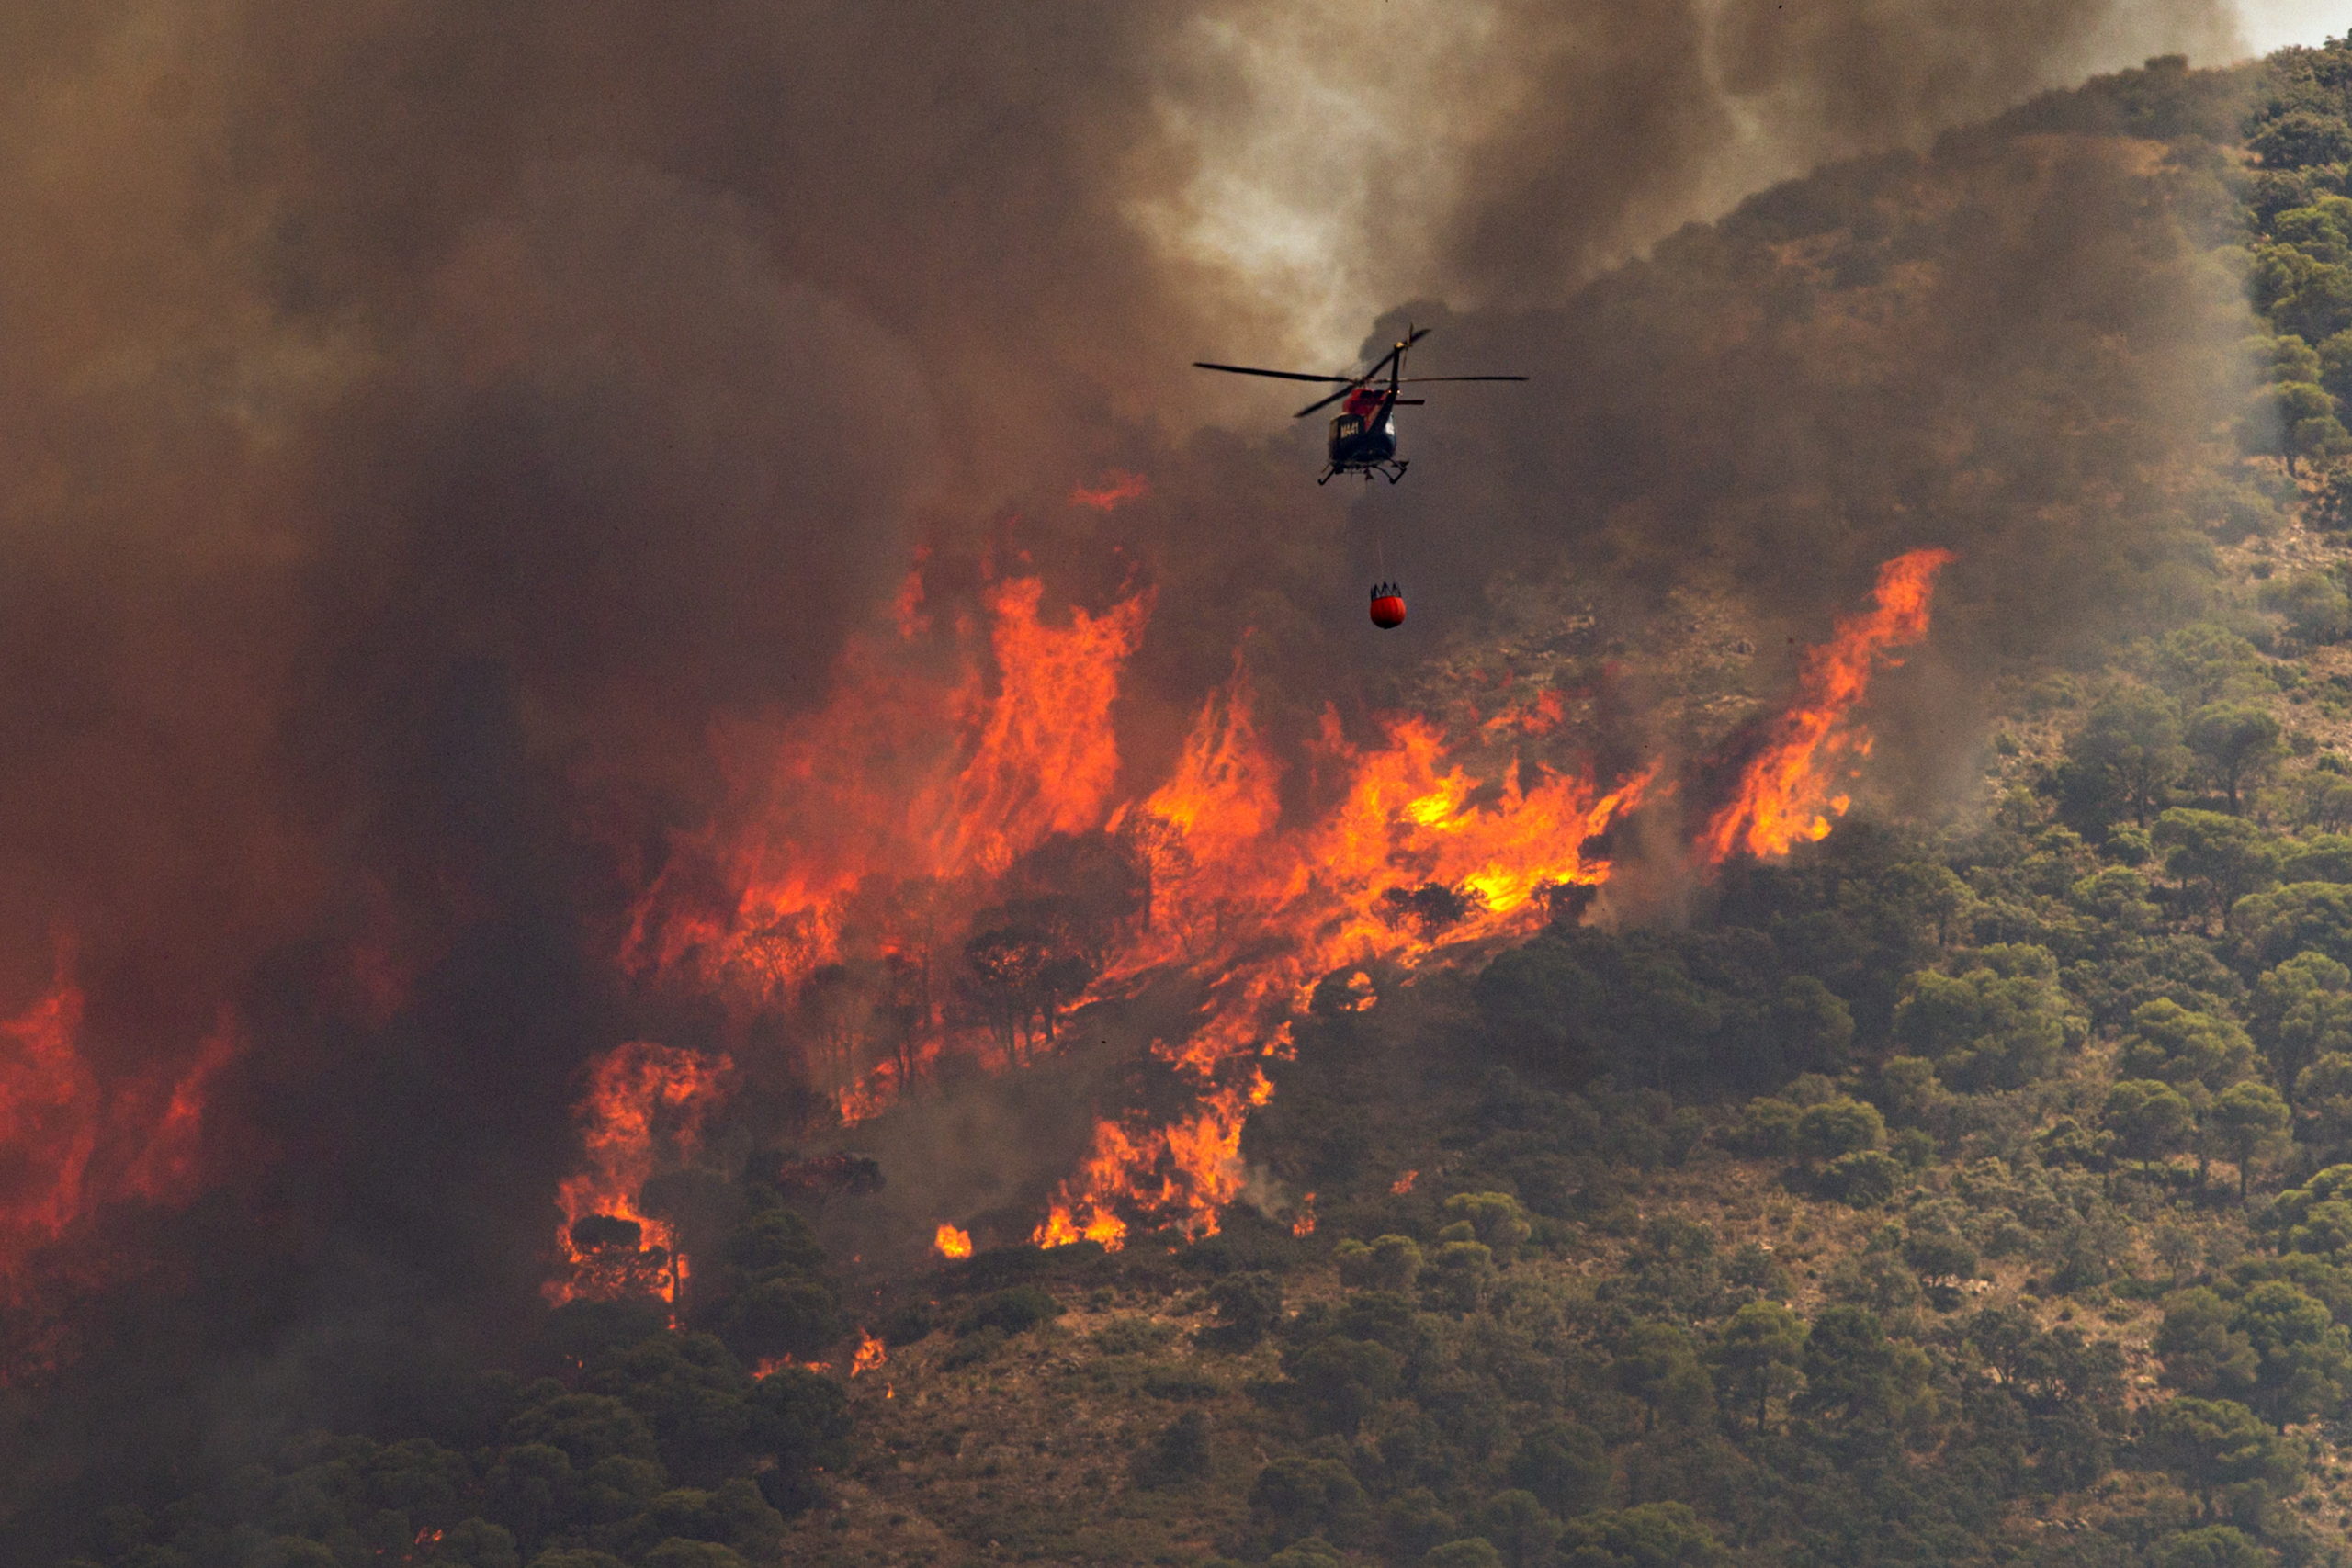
1391 471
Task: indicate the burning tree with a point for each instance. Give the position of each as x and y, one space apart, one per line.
645 1109
1023 971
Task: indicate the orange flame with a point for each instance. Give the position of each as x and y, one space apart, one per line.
769 1366
981 775
1404 1183
906 610
1539 716
870 1354
1412 859
1036 772
1785 794
844 894
50 1114
166 1167
71 1144
645 1103
1303 1224
1119 487
1343 888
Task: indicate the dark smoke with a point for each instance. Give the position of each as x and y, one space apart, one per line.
422 422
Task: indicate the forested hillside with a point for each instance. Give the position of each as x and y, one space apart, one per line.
1974 1189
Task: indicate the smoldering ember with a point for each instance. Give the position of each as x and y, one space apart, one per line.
704 867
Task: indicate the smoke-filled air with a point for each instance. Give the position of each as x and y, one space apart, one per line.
701 865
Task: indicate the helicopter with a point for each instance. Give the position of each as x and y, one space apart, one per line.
1364 433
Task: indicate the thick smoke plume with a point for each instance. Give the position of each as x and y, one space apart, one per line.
425 425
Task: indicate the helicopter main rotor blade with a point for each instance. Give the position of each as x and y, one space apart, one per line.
1254 370
1327 403
1378 365
1417 380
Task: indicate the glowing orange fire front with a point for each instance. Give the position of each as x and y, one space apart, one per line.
73 1144
165 1170
1412 857
50 1112
70 1144
768 1368
1117 488
645 1106
1792 787
1190 1171
867 886
864 837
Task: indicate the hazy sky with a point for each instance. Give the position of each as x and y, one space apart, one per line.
2270 24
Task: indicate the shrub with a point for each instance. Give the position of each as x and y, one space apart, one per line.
1177 1383
477 1544
1460 1275
1248 1305
1312 1553
2301 138
677 1552
1177 1453
2002 1025
1564 1466
2150 1119
1864 1180
2215 1546
772 1240
1767 1126
1295 1497
2183 1046
1014 1311
2313 604
2209 1444
1337 1381
1839 1127
1652 1535
1496 1218
1130 1336
787 1314
974 1347
1471 1551
1388 1263
910 1322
